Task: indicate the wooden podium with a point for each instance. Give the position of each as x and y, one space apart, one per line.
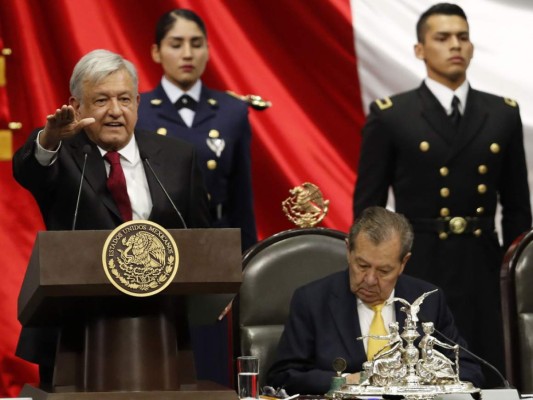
115 346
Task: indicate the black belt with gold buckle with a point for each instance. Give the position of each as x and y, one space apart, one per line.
453 225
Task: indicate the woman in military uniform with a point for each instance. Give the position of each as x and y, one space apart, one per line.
215 122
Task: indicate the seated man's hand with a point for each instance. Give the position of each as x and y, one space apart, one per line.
353 379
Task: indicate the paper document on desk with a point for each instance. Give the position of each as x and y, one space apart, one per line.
491 394
456 396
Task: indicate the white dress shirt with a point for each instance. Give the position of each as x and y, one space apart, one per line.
445 95
366 314
174 93
136 182
130 160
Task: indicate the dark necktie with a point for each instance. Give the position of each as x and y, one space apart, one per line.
116 183
455 116
185 101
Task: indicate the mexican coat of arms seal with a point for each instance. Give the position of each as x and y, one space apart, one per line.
140 258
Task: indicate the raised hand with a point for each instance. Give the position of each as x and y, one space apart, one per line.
61 125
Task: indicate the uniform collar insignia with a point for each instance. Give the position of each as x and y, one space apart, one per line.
384 103
510 102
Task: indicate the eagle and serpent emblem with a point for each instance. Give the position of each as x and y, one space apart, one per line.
306 206
140 258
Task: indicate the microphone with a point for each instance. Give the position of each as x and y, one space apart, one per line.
144 157
86 150
506 383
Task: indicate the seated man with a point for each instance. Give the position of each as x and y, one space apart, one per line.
327 316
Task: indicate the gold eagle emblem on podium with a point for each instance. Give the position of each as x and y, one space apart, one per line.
140 258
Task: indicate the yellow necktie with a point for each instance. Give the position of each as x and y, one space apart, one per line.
377 328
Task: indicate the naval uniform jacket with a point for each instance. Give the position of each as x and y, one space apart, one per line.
436 174
323 324
220 124
55 188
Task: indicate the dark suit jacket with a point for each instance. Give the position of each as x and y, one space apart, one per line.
229 182
55 188
487 150
323 324
391 156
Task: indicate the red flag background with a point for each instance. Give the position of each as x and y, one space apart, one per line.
298 54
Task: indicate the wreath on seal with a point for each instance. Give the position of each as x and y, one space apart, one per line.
142 265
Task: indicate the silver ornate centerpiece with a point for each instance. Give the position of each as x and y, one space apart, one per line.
402 369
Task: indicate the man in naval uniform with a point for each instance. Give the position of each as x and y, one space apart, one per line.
450 153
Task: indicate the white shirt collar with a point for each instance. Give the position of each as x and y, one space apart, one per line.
360 302
445 95
174 93
130 152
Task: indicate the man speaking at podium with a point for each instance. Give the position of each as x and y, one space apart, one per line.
90 169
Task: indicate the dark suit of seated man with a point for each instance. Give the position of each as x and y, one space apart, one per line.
328 315
100 119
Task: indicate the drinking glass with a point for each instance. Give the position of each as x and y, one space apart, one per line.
248 374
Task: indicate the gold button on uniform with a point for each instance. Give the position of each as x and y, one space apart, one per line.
495 148
482 188
162 131
444 192
211 164
482 169
444 171
213 133
443 236
480 210
424 146
14 125
444 212
478 232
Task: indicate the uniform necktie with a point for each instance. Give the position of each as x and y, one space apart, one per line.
455 116
377 328
116 183
185 101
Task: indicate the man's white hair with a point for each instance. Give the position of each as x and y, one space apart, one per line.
97 65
